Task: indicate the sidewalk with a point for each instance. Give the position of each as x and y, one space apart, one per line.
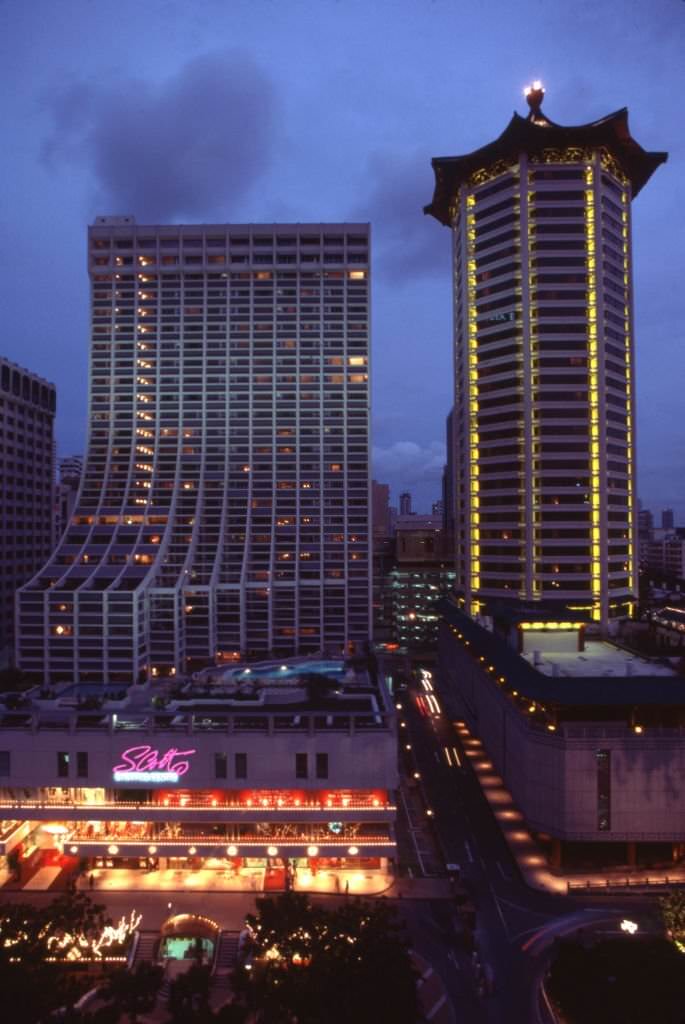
355 882
525 851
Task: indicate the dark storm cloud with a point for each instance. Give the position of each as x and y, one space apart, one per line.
190 147
410 244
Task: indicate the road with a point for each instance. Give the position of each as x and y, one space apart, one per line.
515 925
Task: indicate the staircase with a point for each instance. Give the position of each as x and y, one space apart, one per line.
227 953
145 950
226 956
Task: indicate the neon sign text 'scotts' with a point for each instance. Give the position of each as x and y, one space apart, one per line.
146 763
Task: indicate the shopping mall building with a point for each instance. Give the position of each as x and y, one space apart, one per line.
272 767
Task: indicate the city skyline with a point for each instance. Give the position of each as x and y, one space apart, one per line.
95 128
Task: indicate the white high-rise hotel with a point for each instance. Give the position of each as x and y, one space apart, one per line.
544 420
223 509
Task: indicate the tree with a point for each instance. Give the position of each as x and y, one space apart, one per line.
189 994
316 965
30 937
133 992
619 981
672 907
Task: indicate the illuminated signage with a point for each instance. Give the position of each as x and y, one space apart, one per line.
145 764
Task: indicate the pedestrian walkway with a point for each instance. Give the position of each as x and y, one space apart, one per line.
43 879
354 882
531 862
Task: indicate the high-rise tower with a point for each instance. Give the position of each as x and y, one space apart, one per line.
544 418
27 483
224 504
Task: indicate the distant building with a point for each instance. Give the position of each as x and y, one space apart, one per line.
667 519
405 504
27 482
448 481
645 534
380 509
666 556
422 572
438 508
70 469
645 523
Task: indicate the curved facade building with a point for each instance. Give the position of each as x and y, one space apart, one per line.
544 420
223 508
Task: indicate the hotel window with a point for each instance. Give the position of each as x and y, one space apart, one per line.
221 766
301 771
5 766
322 766
82 764
62 765
241 766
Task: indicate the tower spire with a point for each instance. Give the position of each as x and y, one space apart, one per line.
535 94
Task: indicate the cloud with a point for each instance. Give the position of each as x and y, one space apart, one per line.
407 463
410 244
189 147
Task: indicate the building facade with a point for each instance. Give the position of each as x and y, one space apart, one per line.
70 471
543 431
588 739
27 483
252 767
224 507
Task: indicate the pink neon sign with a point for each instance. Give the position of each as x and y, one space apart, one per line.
145 764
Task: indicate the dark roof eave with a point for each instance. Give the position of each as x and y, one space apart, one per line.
523 134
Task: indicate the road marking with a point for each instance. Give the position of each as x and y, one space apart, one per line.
453 960
499 912
448 758
412 833
436 1006
456 757
468 850
505 874
436 756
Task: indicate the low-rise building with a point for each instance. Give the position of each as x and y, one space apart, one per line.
251 767
588 738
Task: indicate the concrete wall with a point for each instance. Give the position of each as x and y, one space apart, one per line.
364 759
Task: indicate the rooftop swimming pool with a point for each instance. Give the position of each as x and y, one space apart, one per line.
282 671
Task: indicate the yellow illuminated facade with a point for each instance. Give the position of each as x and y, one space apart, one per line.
543 422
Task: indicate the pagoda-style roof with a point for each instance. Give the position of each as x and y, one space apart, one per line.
532 135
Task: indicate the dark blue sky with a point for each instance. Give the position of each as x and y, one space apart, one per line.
297 110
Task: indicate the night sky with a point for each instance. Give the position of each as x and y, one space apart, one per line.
314 110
